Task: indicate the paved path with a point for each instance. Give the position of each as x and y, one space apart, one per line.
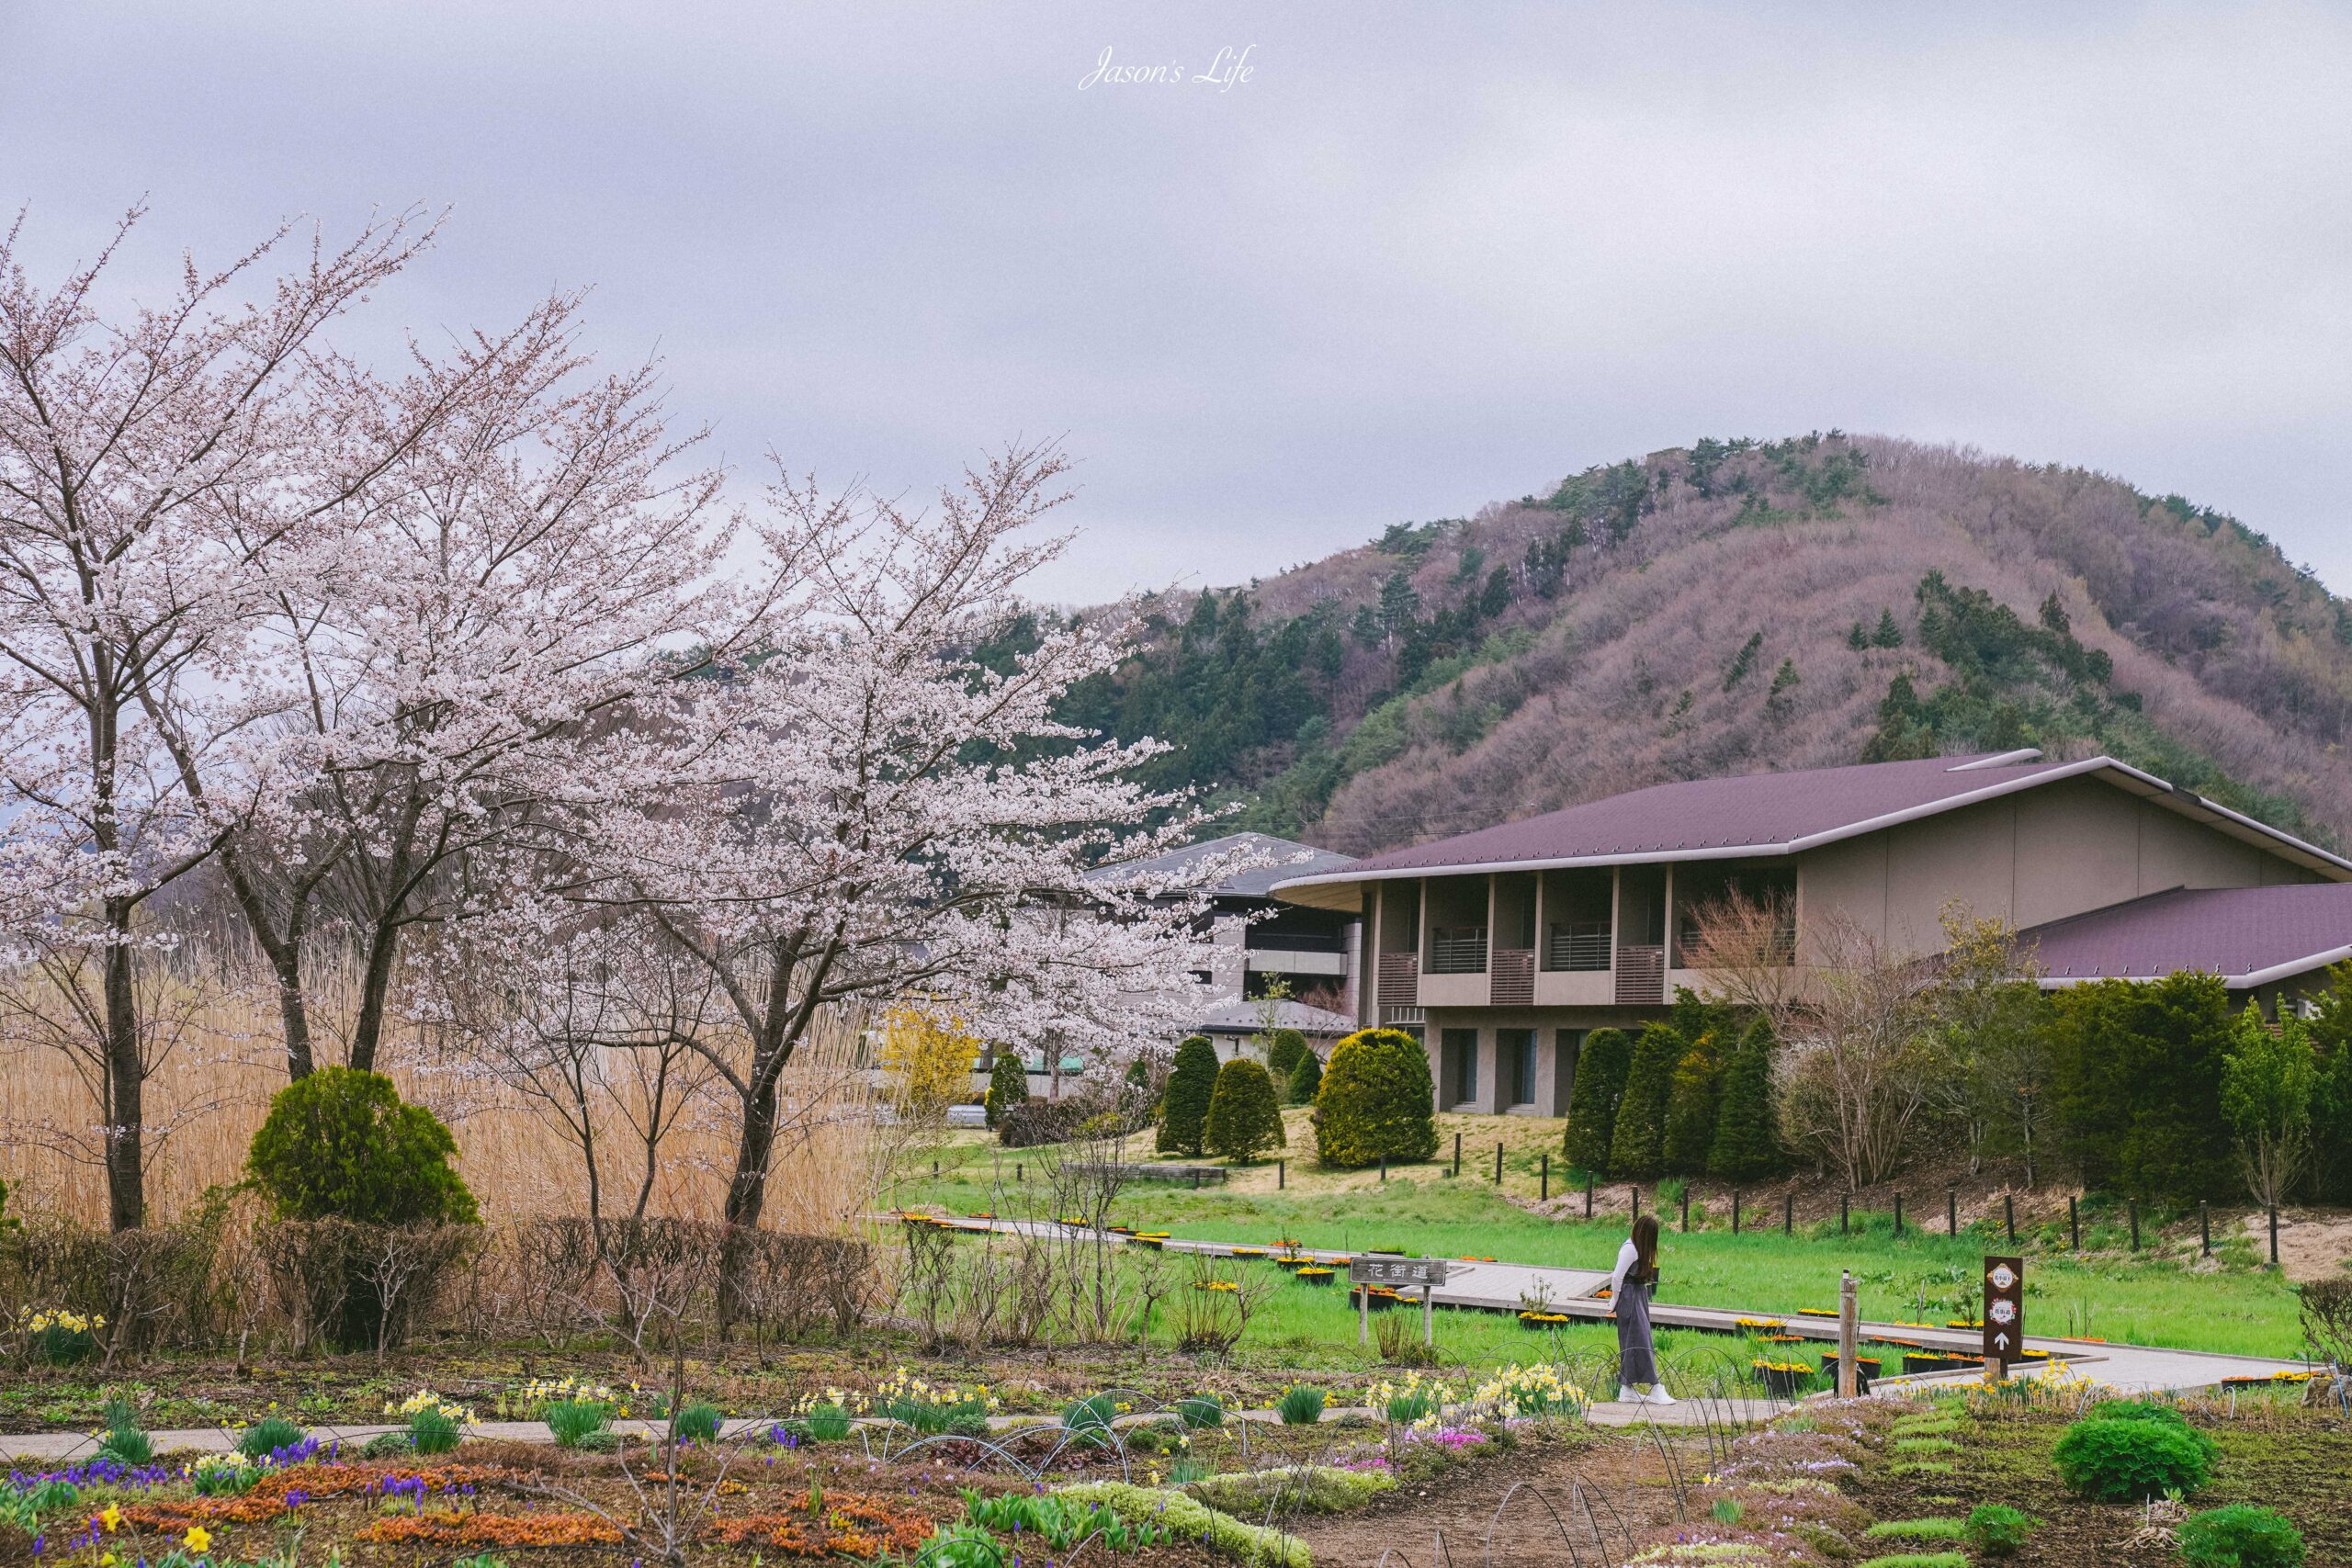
1505 1287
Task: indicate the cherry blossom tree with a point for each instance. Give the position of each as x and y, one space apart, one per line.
511 581
149 462
868 812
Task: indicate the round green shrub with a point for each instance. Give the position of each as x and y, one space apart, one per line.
1376 1102
1305 1078
1185 1109
1283 1048
2137 1410
2240 1536
698 1422
1007 1086
1245 1119
1996 1530
1201 1410
338 1143
2130 1460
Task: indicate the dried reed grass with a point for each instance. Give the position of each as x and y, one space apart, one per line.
213 1087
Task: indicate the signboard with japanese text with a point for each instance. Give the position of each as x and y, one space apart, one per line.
1403 1273
2005 1308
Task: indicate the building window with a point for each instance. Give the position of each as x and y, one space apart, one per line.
1458 1063
1515 1053
1564 1079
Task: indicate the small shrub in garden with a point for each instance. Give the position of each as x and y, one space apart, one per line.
339 1143
1283 1048
573 1421
1201 1410
828 1423
1996 1530
266 1435
2240 1536
698 1422
2133 1458
1376 1102
386 1445
1300 1405
1245 1119
1305 1078
1184 1107
1007 1086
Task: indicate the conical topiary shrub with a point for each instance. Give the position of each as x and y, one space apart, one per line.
1747 1140
1284 1048
1599 1087
1691 1107
1185 1109
1376 1102
1007 1086
1305 1078
1245 1119
1637 1147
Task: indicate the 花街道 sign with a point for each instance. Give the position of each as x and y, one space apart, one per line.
1400 1272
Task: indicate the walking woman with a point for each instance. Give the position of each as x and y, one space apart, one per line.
1629 1296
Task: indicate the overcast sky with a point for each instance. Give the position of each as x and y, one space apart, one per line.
1424 256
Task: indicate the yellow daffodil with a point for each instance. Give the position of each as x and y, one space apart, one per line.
112 1518
198 1540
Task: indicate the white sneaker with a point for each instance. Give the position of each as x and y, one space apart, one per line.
1658 1395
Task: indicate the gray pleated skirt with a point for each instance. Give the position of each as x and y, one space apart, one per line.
1636 1356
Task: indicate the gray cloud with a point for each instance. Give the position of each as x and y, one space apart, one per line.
1428 257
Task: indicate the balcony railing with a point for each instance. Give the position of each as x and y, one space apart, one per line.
1584 945
1457 949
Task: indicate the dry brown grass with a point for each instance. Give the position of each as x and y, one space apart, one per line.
213 1087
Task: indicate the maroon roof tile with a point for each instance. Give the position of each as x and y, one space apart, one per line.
1714 817
2248 935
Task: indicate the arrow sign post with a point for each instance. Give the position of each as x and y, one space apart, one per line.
2003 1313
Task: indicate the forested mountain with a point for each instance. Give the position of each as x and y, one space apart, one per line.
1739 606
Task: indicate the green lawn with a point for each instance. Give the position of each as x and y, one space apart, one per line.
1425 1210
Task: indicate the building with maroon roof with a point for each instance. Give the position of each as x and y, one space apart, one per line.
1502 948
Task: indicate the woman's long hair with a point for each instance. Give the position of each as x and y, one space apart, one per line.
1644 1268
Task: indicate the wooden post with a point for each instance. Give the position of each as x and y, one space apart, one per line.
934 1171
1849 1335
1686 1209
1428 1318
1016 1172
1898 1215
1636 1194
1282 1174
2204 1227
1543 1177
1845 1213
1735 1210
1788 1214
2074 1224
1951 1211
1588 1197
1364 1315
1383 1168
1995 1369
1458 1153
2132 1207
2009 1215
1498 1161
2274 1235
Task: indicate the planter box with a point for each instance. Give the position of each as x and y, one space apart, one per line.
1866 1370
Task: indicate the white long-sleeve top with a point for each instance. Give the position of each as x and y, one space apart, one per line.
1626 1259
